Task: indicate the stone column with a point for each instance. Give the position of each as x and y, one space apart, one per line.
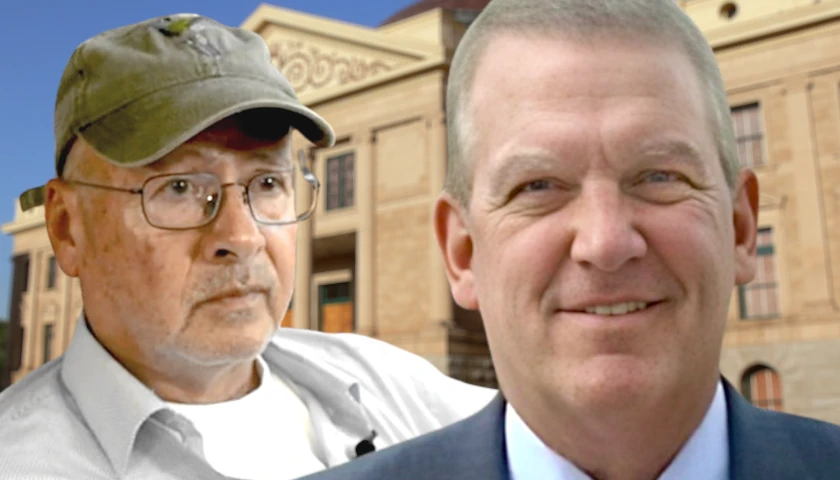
811 278
440 298
440 301
303 272
364 282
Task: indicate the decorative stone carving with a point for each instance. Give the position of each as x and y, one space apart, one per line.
307 67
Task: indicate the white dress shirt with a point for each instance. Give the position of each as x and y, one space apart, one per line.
84 416
704 457
240 436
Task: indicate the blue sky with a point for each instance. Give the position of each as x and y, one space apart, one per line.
37 38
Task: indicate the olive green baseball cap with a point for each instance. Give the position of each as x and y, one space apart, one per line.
137 92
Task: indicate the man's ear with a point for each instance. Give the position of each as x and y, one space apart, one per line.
64 225
745 221
453 236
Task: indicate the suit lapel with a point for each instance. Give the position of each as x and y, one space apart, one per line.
478 445
759 447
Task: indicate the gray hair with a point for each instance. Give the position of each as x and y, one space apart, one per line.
660 21
74 166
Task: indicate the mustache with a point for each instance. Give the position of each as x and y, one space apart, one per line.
258 277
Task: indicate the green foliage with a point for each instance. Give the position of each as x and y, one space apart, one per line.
4 327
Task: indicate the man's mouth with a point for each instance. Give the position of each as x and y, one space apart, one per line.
235 293
616 308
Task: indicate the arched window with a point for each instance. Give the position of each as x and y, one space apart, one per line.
762 386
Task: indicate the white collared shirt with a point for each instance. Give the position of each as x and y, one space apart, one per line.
705 456
240 436
84 416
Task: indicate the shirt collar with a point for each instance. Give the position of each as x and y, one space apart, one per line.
113 403
704 456
289 356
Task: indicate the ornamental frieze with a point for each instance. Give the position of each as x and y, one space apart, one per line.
308 67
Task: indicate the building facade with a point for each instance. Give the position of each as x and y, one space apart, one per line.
367 259
781 67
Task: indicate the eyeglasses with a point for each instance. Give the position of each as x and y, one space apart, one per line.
183 201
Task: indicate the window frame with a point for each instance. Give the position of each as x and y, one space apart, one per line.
743 138
749 380
342 200
773 285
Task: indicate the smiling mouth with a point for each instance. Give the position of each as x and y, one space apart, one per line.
617 308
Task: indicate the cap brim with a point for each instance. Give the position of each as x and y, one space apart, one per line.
34 197
147 129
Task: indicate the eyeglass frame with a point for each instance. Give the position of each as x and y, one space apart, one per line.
308 176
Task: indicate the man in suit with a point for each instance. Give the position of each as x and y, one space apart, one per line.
595 213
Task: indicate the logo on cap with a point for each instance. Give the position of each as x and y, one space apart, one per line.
188 30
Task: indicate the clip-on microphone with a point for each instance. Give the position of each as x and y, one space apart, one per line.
366 445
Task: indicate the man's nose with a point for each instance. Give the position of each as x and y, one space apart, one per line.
606 236
234 234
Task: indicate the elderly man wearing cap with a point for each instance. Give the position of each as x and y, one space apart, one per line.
175 204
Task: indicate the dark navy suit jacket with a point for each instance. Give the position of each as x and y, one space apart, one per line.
763 445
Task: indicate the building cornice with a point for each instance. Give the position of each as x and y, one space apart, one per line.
24 221
771 25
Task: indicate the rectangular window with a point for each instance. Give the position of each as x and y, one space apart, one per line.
340 181
52 271
335 307
21 271
749 134
48 341
760 298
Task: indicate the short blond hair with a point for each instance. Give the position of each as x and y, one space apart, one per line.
660 21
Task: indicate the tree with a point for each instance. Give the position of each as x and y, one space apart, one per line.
4 328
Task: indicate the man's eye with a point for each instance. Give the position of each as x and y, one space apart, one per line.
536 185
269 183
272 183
661 177
179 186
663 187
